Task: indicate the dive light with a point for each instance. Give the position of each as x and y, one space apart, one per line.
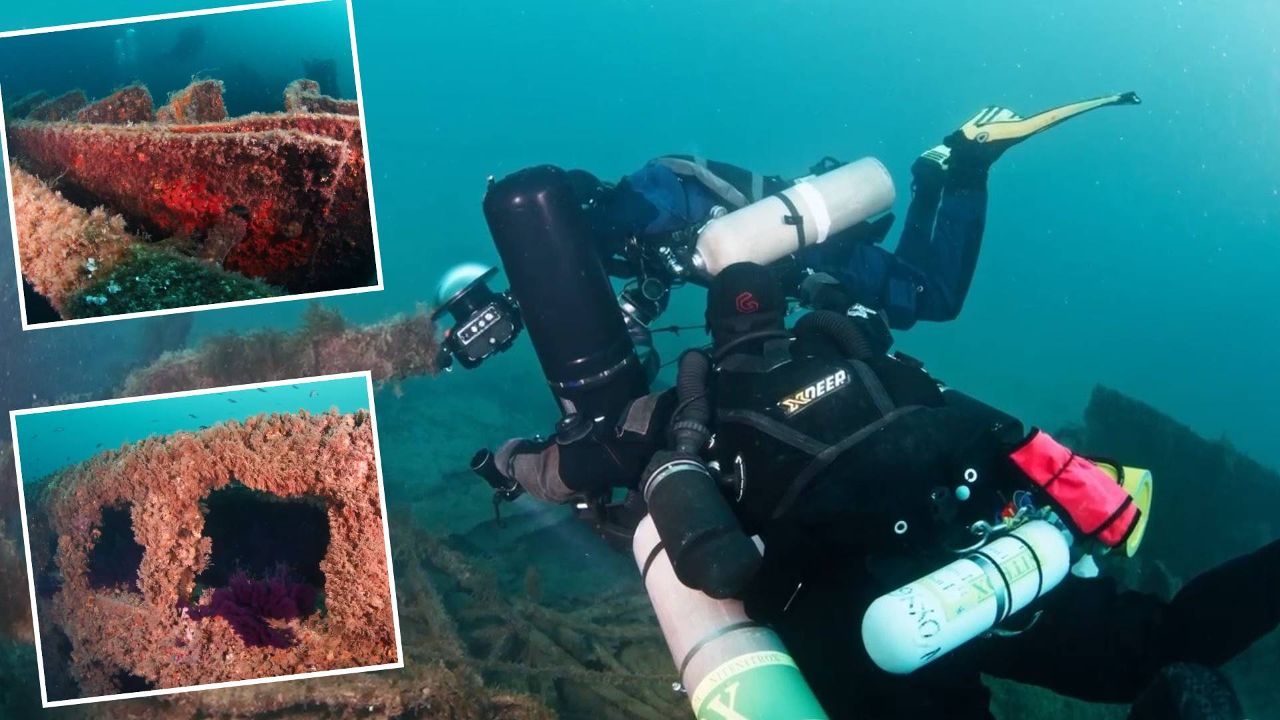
504 488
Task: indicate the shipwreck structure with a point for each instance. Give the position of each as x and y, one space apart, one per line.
15 606
279 197
184 559
485 636
394 349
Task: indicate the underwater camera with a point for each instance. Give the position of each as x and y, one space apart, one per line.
485 322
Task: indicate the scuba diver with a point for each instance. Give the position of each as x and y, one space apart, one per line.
901 538
642 222
809 481
679 219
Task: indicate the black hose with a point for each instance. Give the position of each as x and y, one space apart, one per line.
689 430
836 327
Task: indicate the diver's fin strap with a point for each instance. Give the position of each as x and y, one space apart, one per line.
833 452
939 155
795 219
775 429
999 124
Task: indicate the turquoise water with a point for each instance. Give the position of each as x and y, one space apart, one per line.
1134 247
270 47
49 440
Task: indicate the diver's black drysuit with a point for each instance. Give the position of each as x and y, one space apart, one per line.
852 494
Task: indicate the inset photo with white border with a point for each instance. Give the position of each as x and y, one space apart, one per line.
167 163
206 539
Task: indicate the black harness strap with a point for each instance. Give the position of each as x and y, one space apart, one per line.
743 363
749 337
777 352
874 387
775 429
830 455
795 219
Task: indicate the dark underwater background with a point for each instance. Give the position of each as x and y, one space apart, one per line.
1135 247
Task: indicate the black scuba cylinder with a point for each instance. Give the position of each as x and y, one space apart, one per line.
565 299
704 540
708 549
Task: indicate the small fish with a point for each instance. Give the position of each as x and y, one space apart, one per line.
58 429
262 389
204 427
192 415
232 400
295 387
314 393
98 445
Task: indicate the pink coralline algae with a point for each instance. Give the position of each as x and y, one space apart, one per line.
398 348
199 102
122 107
152 629
62 107
248 604
68 251
304 96
64 245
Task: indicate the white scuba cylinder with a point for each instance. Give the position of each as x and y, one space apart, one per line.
731 666
911 626
815 207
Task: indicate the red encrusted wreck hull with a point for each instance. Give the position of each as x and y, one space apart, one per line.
267 196
347 227
303 96
127 105
143 631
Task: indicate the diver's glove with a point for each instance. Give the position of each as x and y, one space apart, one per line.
534 466
821 291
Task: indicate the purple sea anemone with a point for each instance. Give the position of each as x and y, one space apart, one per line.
248 604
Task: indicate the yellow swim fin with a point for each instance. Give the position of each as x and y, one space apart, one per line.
1001 125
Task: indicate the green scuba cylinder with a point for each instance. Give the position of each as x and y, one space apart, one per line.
732 667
